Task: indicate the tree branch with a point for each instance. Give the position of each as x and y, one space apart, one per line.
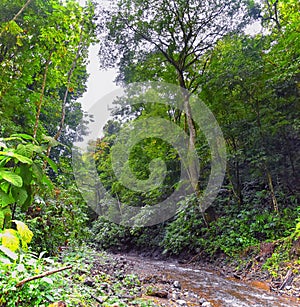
18 14
28 279
21 10
38 113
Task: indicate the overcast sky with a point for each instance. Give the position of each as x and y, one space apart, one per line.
100 82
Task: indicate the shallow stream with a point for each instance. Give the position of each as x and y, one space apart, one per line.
219 290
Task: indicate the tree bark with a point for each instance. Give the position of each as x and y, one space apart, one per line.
192 168
271 187
38 113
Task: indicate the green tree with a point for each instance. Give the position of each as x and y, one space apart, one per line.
252 87
60 36
43 56
180 32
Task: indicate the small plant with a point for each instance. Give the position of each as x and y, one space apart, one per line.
21 173
131 280
23 279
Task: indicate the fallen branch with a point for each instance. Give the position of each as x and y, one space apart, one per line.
22 282
287 280
194 258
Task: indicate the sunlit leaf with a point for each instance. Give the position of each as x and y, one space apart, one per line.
25 233
12 178
9 238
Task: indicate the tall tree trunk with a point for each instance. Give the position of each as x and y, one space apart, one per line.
64 102
271 187
256 107
40 102
234 176
192 167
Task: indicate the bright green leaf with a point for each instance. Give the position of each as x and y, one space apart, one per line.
12 178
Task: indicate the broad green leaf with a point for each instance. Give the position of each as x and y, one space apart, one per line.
20 195
5 199
26 173
2 217
38 149
23 136
12 178
37 171
51 163
47 181
4 186
52 142
4 160
5 216
20 158
13 28
28 201
25 150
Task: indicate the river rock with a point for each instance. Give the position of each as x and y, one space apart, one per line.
177 284
158 293
206 304
288 287
89 282
175 296
181 302
202 301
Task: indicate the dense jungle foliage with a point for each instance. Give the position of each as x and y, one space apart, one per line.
251 84
249 79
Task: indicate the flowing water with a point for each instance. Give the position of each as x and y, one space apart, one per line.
219 290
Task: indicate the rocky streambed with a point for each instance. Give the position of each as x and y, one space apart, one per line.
199 285
168 283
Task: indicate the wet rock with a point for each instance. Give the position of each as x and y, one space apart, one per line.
126 296
89 282
202 301
288 287
176 284
159 293
181 302
175 296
